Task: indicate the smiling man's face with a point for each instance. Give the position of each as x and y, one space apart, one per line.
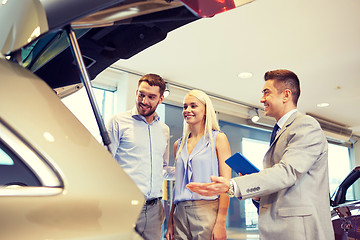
272 100
147 99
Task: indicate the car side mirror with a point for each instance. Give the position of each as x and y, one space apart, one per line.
343 212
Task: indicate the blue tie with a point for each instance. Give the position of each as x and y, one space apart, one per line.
273 134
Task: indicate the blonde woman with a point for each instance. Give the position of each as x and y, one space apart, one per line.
199 154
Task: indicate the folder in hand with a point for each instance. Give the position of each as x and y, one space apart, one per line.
240 164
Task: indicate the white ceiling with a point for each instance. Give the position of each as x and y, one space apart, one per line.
318 40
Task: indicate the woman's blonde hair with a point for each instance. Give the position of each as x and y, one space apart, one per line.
211 122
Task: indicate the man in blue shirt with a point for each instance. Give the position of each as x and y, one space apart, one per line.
140 144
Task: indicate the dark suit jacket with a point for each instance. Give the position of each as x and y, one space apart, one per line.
294 185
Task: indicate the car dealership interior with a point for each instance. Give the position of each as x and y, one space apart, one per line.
69 66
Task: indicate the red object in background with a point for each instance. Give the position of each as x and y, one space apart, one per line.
209 8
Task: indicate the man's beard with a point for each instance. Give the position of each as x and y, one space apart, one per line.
143 112
150 113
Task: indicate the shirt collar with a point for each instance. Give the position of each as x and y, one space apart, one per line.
284 118
135 114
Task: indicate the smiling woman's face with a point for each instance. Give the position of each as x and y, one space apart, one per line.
193 110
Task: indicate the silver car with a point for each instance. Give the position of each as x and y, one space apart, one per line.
56 180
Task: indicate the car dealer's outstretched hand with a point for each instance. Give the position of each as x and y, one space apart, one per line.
218 186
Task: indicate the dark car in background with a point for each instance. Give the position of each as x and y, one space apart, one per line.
345 212
56 180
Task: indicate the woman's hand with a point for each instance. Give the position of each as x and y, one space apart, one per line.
219 232
169 232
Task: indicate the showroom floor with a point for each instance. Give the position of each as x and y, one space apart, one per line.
236 234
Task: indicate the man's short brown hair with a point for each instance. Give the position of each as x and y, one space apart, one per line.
285 79
154 80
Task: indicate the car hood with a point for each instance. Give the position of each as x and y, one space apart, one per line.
34 18
107 30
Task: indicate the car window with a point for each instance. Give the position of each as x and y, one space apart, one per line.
13 171
348 189
5 159
21 165
350 193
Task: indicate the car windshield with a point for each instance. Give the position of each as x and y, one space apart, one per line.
39 52
346 191
350 193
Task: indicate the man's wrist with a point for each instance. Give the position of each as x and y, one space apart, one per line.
231 192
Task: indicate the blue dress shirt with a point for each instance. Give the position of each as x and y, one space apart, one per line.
141 149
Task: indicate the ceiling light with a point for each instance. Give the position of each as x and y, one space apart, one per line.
245 75
321 105
167 90
254 115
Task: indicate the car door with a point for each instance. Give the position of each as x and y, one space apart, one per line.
346 210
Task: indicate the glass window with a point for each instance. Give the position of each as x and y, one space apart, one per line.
13 171
78 103
5 159
105 100
254 150
350 193
339 166
242 217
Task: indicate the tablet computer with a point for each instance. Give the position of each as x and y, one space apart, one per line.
240 164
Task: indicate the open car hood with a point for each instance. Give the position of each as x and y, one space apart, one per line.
65 42
106 30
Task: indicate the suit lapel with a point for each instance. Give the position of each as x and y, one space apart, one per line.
268 158
286 125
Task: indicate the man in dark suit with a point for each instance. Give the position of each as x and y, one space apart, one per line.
294 185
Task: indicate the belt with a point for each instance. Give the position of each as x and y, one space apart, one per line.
152 201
